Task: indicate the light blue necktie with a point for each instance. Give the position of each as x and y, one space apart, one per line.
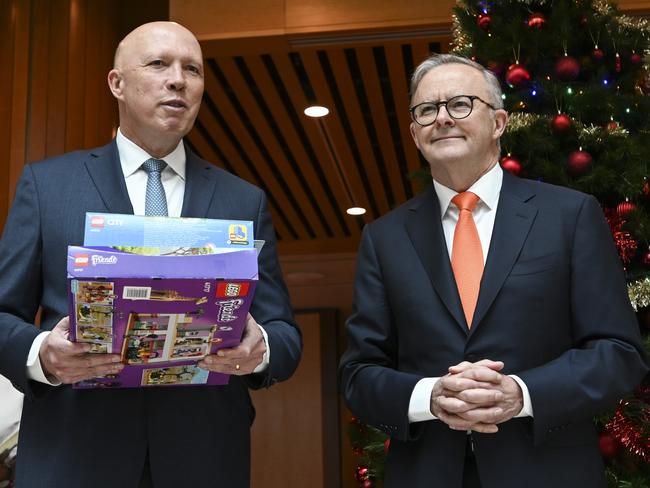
155 200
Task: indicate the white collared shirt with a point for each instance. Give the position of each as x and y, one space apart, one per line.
173 176
488 189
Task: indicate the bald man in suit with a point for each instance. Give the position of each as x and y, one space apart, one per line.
160 437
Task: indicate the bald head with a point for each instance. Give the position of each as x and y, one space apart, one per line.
157 79
135 38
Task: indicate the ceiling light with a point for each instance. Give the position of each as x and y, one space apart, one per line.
316 111
356 211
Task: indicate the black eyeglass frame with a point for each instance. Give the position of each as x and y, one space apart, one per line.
445 102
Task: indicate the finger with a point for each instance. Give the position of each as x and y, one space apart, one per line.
490 415
481 396
452 404
454 422
457 383
485 428
465 365
480 373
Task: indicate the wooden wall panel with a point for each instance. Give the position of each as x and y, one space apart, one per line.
295 438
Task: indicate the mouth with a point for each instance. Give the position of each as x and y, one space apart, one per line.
174 104
444 138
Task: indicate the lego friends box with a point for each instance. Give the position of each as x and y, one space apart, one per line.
163 311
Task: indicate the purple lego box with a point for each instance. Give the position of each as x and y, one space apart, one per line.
161 314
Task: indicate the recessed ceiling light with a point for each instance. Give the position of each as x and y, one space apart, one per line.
356 211
316 111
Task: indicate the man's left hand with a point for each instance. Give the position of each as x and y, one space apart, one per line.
506 406
242 359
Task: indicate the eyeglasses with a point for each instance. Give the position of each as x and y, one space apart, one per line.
458 107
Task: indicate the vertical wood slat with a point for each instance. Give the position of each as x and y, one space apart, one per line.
14 23
57 76
7 16
38 88
76 95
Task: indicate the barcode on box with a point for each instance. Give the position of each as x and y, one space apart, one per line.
136 293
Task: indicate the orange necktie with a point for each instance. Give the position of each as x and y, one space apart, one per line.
467 254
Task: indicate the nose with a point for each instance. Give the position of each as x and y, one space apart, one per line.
176 80
443 117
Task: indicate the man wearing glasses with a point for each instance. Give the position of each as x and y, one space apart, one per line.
491 320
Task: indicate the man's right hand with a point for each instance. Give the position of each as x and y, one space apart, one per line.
69 362
459 392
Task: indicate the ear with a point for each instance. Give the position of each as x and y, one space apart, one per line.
413 128
115 83
500 122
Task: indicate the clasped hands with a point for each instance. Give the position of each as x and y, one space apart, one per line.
68 362
476 396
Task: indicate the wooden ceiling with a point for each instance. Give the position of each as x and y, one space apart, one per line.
361 154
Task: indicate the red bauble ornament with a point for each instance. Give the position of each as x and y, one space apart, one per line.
511 165
612 125
635 58
561 123
517 75
361 473
624 208
368 484
536 20
579 162
608 445
484 21
598 54
617 63
386 445
567 68
646 187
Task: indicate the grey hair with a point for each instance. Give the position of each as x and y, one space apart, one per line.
436 60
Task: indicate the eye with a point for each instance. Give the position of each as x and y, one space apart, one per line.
156 62
460 103
194 69
426 109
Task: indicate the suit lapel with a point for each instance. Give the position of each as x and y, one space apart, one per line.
103 165
424 227
200 186
512 224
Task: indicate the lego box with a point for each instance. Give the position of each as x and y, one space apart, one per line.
165 311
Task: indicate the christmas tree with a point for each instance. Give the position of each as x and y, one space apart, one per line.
575 80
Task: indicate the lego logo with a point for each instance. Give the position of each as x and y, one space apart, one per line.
97 221
232 289
81 260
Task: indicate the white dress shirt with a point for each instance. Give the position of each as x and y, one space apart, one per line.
173 179
488 189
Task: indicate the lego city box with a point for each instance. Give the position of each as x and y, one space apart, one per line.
162 306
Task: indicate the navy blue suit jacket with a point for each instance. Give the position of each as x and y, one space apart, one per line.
99 438
552 306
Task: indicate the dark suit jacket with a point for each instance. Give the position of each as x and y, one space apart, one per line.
553 306
99 438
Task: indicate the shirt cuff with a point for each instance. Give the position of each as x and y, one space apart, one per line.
267 354
34 369
420 403
527 409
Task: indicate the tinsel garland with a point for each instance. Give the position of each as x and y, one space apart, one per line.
627 427
639 293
